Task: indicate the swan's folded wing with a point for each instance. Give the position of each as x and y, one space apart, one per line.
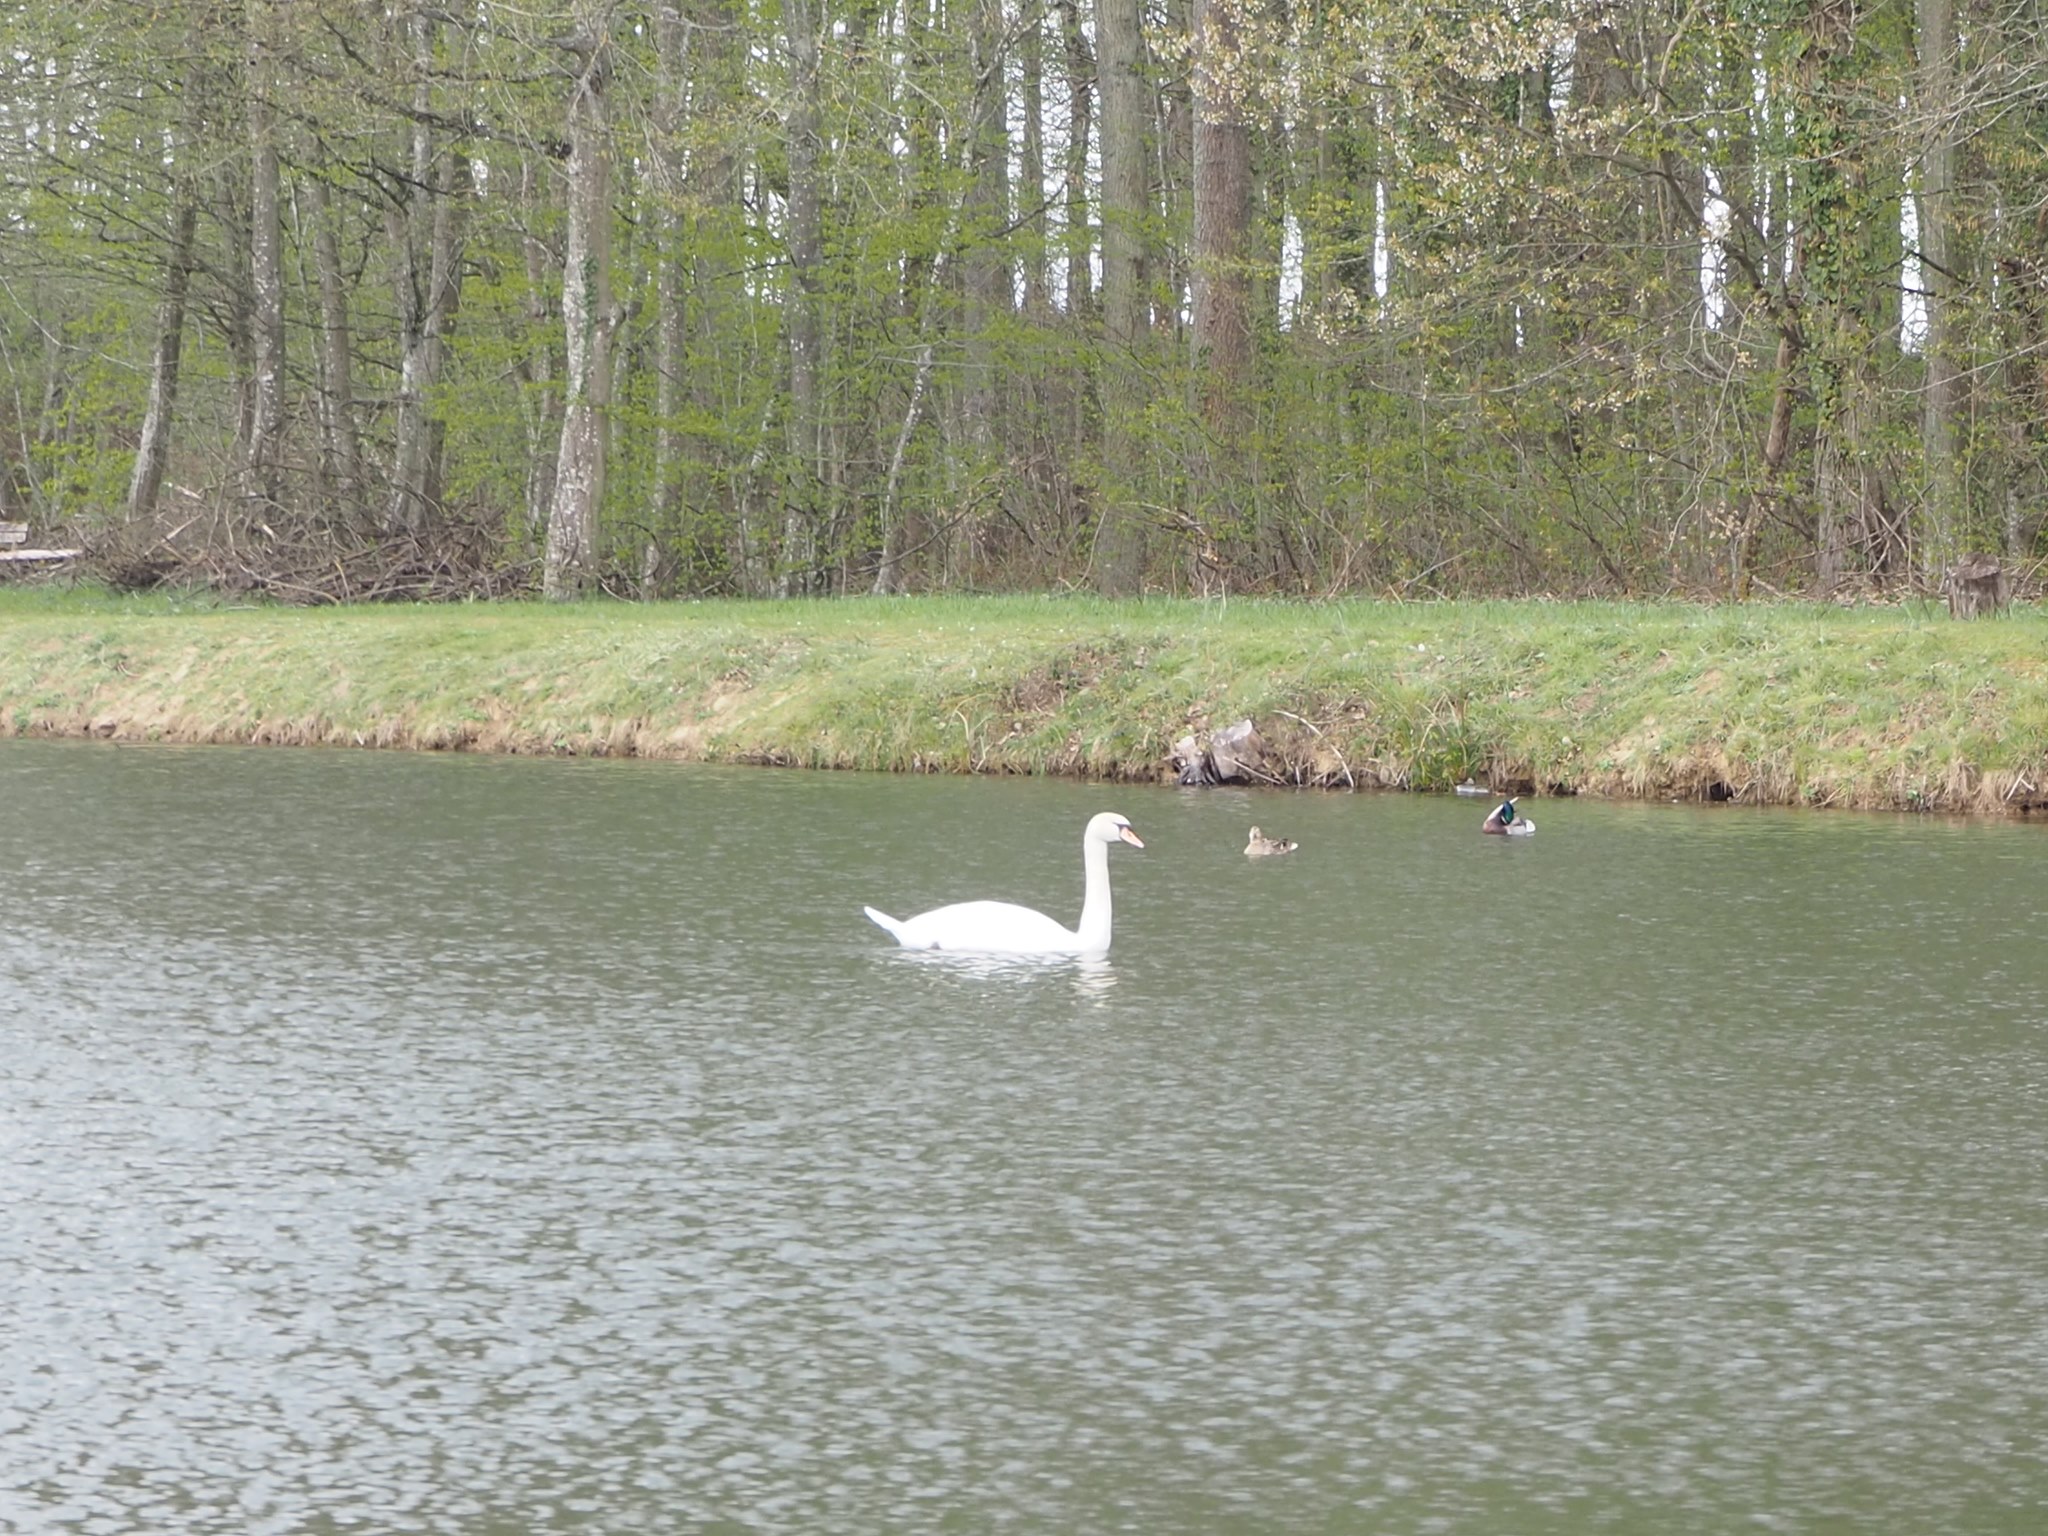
988 927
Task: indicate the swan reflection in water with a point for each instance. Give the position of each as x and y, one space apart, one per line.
1092 975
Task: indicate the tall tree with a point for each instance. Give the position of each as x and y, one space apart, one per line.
989 281
1935 46
1223 211
1589 299
153 446
153 442
337 360
671 321
1121 539
588 319
1074 207
266 265
724 373
1031 156
803 328
1839 206
423 222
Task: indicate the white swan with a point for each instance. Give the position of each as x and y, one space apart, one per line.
1004 928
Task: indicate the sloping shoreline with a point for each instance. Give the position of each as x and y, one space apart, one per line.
1797 704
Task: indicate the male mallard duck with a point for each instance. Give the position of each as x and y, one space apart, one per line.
1507 821
1261 845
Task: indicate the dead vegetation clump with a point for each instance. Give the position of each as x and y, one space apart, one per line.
1037 692
455 558
1044 690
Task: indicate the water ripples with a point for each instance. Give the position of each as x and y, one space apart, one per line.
488 1179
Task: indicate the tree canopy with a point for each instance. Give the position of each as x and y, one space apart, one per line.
342 298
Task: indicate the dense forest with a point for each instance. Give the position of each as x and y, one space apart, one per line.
341 298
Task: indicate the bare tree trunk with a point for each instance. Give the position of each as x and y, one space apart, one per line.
1163 271
990 281
806 255
407 223
889 569
444 279
1031 162
337 386
230 184
1777 448
153 445
1080 279
587 323
428 277
153 452
718 85
1223 210
1940 401
1841 269
671 41
266 270
1126 208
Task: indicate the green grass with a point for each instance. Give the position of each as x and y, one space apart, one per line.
1790 703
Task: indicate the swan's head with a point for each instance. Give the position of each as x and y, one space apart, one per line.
1112 828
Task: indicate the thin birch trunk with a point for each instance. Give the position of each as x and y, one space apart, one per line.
889 569
153 452
537 363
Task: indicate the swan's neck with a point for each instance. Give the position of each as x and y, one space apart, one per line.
1094 929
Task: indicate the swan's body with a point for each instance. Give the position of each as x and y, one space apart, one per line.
1004 928
1505 820
1261 846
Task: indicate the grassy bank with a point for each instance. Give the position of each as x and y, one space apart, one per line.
1896 708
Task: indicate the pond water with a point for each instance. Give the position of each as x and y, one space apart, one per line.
426 1144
